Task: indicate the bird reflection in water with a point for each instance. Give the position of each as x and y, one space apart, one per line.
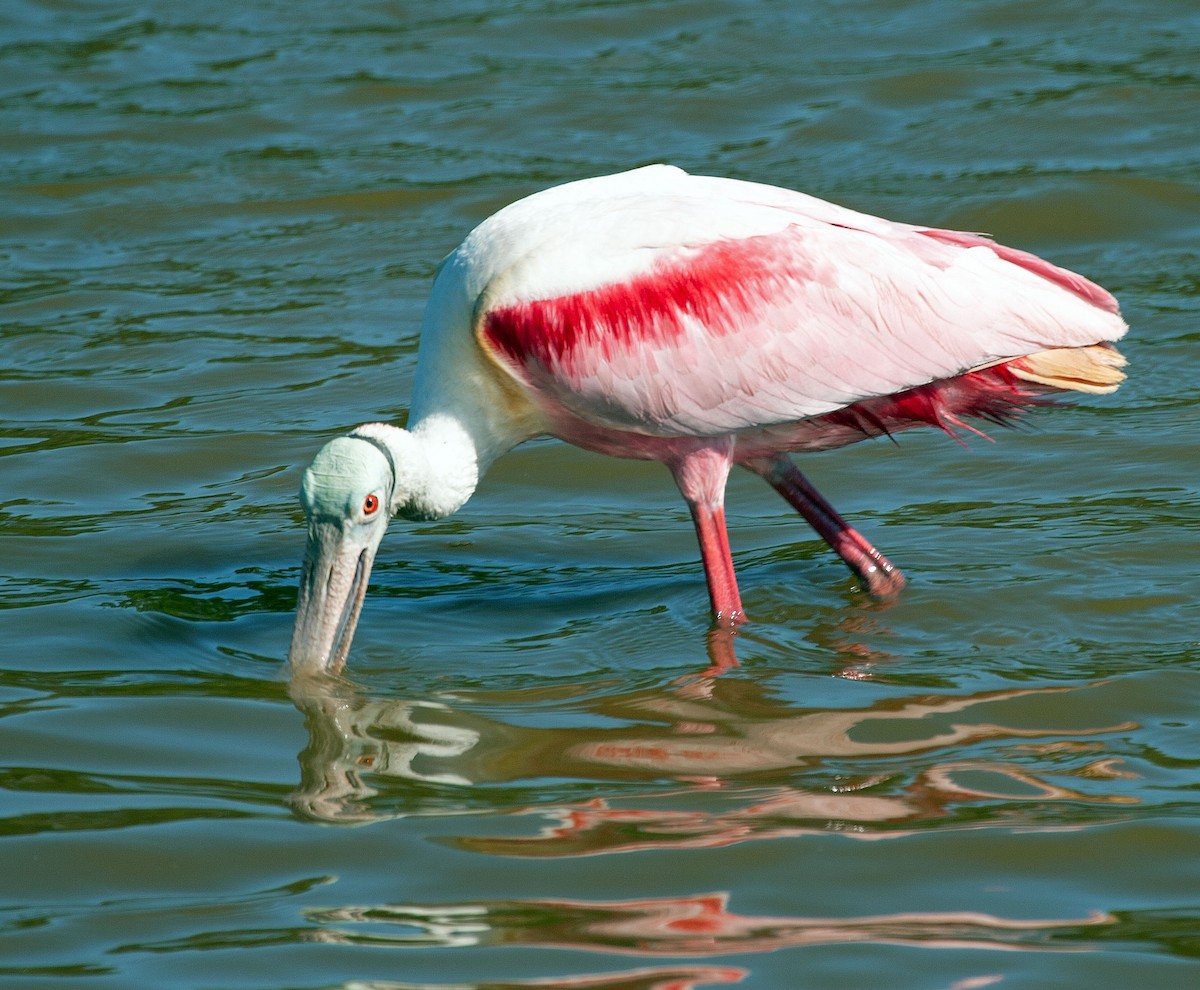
750 766
691 926
652 978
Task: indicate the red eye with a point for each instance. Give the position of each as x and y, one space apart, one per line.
370 505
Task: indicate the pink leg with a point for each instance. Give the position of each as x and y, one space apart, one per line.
701 477
880 576
718 563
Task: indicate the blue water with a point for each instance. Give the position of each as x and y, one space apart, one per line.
218 226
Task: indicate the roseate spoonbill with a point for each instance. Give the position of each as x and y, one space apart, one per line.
701 322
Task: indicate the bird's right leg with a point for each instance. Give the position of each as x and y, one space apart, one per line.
878 574
701 477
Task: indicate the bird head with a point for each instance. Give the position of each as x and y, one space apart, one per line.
349 494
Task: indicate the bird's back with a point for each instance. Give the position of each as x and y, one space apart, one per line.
665 304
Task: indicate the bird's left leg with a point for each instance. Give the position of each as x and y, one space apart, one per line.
878 574
701 475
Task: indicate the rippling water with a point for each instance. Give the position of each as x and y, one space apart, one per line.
218 225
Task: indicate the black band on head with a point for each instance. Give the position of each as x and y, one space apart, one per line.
387 453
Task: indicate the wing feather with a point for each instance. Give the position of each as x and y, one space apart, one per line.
671 304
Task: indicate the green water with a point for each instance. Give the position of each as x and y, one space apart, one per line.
218 225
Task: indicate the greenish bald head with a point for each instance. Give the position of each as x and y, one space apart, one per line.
344 476
348 494
354 485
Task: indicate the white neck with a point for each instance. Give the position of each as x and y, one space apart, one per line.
465 412
437 465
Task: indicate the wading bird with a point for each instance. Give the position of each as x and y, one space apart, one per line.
701 322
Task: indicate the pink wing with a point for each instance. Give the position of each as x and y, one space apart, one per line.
671 304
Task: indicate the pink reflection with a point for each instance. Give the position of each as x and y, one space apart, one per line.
726 736
596 826
656 978
698 925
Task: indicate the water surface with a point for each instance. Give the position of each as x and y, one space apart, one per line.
218 227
